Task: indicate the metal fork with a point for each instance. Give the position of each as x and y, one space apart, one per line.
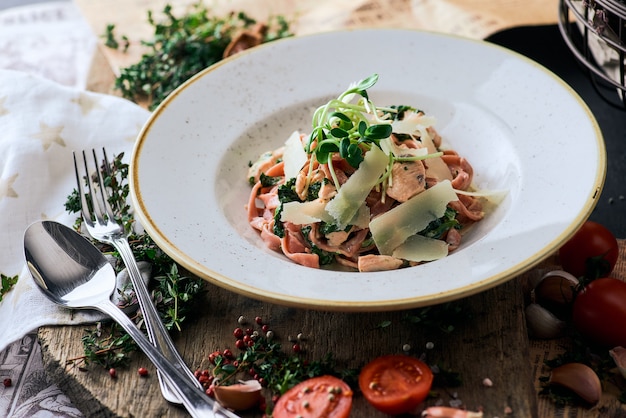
101 224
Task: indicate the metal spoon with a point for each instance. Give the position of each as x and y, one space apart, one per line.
73 273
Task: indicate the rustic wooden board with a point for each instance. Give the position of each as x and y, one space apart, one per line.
492 345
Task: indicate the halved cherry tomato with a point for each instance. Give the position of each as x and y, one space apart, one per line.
395 384
600 312
318 397
591 240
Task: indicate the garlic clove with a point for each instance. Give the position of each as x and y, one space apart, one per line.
555 292
542 323
240 396
580 379
449 412
563 274
618 354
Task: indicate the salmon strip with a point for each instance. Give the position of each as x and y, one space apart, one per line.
376 262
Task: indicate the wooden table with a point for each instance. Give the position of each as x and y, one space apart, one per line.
493 345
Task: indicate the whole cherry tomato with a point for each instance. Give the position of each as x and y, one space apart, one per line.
395 384
318 397
592 240
600 312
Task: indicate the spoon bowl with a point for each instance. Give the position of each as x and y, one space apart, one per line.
68 269
73 273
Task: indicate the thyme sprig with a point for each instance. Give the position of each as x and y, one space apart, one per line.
278 370
181 47
174 293
263 358
107 346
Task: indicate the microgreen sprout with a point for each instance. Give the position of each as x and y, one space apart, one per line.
350 129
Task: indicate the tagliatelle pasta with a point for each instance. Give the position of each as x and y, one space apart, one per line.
369 189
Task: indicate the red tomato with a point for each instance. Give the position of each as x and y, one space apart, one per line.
395 384
600 312
318 397
591 240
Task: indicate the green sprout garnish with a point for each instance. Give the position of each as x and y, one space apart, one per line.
344 127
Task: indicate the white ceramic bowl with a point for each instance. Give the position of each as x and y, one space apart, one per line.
522 129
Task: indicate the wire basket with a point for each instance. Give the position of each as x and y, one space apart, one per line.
595 32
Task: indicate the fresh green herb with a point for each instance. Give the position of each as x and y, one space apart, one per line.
107 346
279 371
343 127
327 228
286 193
384 324
7 284
264 359
437 228
111 41
173 294
399 111
325 257
351 129
183 46
267 181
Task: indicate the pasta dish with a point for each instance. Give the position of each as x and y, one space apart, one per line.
370 188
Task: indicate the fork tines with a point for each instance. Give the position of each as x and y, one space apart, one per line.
92 189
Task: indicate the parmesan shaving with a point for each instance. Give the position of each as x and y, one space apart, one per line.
392 228
302 213
351 196
294 155
419 248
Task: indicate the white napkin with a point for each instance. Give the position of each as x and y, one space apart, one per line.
41 124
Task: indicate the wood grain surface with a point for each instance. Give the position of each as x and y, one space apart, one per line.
492 344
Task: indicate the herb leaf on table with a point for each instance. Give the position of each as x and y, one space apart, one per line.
174 292
181 47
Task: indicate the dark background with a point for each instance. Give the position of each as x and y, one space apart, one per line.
545 45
